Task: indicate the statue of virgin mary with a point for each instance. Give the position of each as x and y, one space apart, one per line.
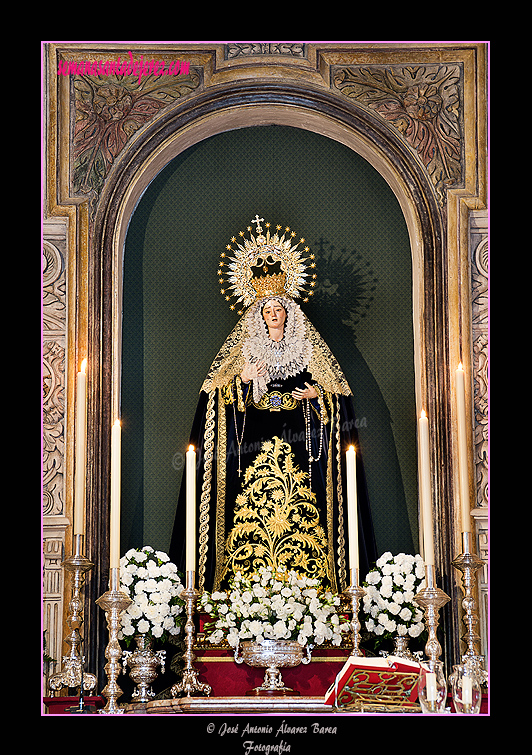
273 423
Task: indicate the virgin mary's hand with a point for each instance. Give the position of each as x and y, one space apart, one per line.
308 392
253 371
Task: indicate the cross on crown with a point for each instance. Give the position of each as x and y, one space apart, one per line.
258 221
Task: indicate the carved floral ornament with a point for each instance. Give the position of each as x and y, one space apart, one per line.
423 103
109 110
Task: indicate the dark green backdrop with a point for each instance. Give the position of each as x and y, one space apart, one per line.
175 318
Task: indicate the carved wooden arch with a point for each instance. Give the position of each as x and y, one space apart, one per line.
236 106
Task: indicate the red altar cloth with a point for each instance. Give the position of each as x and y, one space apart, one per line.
60 705
227 678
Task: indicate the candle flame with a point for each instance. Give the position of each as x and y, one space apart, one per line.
117 423
84 366
191 448
351 448
423 414
460 367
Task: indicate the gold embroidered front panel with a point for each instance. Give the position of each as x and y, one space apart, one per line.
276 522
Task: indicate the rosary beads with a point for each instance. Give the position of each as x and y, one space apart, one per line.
308 440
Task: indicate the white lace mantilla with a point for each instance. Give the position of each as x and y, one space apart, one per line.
284 358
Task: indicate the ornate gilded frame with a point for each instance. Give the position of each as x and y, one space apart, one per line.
416 112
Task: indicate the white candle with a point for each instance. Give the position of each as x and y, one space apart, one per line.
425 489
352 507
191 509
467 690
432 690
463 468
81 449
116 447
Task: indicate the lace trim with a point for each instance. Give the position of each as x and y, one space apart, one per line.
230 361
284 358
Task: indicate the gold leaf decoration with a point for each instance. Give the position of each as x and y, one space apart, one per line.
276 522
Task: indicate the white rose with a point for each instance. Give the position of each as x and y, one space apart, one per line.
218 635
134 611
151 612
384 558
280 630
219 596
406 614
141 600
259 591
255 627
153 569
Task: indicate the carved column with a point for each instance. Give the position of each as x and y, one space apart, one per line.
478 237
55 521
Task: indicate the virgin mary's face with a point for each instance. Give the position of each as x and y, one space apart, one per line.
274 314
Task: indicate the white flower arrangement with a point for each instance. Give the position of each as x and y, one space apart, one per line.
152 582
274 605
388 605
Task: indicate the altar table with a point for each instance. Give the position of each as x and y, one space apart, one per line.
218 668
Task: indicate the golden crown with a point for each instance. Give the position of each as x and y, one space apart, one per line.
267 264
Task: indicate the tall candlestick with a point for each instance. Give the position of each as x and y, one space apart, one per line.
81 448
463 467
116 447
352 507
425 489
191 510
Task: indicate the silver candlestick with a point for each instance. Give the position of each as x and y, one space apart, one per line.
431 599
72 674
469 563
190 684
113 602
354 593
